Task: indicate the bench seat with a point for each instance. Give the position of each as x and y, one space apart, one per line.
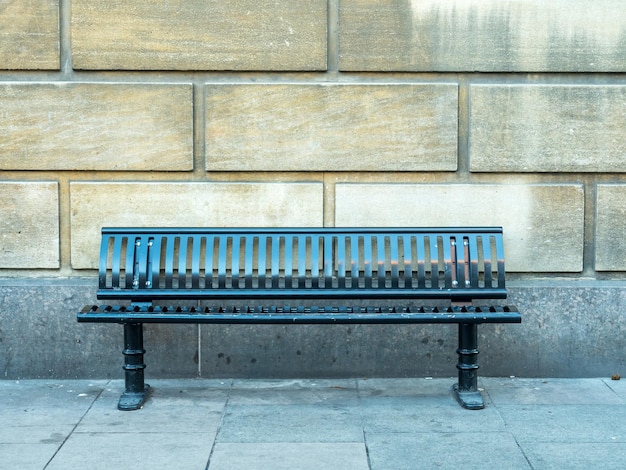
286 315
301 276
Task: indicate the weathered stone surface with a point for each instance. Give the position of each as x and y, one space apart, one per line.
29 34
611 227
483 35
96 205
29 225
96 126
543 224
547 128
336 127
199 35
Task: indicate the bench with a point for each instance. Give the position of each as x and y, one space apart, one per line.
279 275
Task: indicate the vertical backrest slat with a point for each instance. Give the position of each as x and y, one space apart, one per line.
408 262
449 260
486 243
394 242
367 260
129 263
208 262
473 261
328 260
420 248
315 261
182 262
289 250
248 265
195 261
456 258
221 261
302 243
354 261
235 261
262 260
169 261
434 261
275 261
463 262
155 262
380 261
341 242
103 266
499 245
141 263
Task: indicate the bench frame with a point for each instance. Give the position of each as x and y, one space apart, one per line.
142 267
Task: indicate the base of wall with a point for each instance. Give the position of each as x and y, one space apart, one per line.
569 329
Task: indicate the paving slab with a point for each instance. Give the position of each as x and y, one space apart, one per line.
140 449
551 391
292 392
577 456
450 450
565 423
289 456
173 407
42 403
617 385
291 423
27 456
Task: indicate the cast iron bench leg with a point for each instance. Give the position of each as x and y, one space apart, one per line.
136 391
466 391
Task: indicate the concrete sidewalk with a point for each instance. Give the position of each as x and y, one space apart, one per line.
314 424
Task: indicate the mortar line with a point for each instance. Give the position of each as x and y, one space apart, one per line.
65 38
589 224
463 125
80 420
332 36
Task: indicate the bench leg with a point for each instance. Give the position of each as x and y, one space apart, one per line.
466 390
136 391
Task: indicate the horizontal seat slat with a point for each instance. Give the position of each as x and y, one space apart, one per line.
300 315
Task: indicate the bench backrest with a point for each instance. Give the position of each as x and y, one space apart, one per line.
145 264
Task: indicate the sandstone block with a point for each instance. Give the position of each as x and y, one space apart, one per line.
29 224
29 34
547 128
336 127
543 223
95 205
611 227
199 34
483 35
96 126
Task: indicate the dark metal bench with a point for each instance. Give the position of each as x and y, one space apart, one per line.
273 276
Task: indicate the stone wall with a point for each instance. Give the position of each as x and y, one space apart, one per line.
324 112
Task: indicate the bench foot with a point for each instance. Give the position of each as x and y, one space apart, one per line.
470 400
130 401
